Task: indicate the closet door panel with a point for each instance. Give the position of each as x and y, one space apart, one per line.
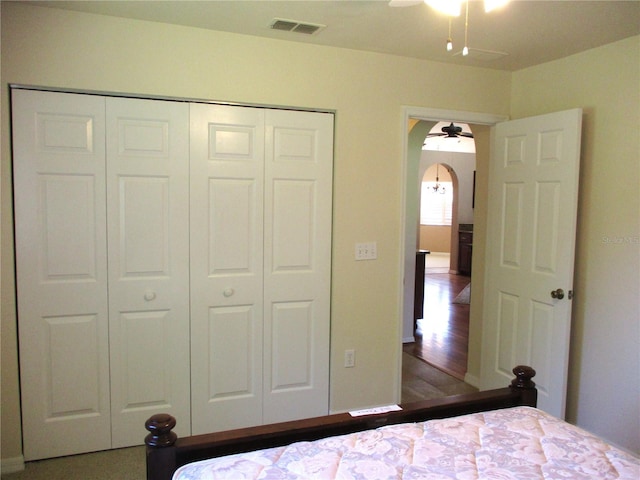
297 274
58 162
148 226
227 176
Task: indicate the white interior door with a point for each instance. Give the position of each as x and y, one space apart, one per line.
148 238
227 177
61 257
297 271
533 182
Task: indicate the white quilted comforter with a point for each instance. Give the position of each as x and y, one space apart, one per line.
519 443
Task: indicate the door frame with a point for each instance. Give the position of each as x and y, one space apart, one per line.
408 233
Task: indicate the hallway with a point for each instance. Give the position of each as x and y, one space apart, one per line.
442 335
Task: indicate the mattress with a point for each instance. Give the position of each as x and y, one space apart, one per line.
519 443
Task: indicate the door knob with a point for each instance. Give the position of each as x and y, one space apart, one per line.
228 292
559 294
149 295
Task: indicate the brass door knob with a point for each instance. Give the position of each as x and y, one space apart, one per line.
559 294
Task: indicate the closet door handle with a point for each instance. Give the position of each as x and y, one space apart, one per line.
149 295
228 292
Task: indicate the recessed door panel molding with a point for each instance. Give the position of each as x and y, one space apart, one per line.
232 226
513 204
514 151
144 226
73 359
232 142
138 137
68 223
294 145
144 363
231 333
147 161
547 218
540 344
227 376
64 134
293 225
550 147
60 230
291 357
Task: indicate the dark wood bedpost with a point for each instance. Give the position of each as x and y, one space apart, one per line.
161 453
525 385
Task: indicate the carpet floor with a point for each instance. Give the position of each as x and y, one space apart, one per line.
119 464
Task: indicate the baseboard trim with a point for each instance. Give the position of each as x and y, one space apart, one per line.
472 380
409 339
12 465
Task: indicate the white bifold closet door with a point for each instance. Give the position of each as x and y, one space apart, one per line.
261 190
148 241
101 215
61 256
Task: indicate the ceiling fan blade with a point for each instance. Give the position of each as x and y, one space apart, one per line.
466 134
404 3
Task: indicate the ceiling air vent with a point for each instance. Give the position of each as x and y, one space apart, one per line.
296 26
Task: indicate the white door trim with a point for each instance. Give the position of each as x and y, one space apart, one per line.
408 245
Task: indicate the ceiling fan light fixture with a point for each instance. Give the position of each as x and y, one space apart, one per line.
451 8
490 5
449 41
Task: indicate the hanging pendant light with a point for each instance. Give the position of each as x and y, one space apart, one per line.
437 188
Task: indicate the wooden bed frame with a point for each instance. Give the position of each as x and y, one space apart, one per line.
166 452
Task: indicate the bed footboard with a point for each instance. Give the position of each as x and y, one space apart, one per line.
166 452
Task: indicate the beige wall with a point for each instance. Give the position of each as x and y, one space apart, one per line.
45 46
436 238
604 394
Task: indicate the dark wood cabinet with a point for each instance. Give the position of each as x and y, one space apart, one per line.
418 301
465 252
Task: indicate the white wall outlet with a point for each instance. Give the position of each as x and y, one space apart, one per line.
366 251
349 358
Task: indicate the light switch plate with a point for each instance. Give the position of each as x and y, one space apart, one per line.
366 251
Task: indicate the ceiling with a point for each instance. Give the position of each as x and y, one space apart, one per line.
524 33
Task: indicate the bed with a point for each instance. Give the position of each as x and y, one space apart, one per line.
496 434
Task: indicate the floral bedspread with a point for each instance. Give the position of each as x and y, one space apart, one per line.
519 443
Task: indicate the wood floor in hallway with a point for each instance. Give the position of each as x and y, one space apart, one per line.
442 335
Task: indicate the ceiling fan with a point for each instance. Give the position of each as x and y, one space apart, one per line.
451 131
